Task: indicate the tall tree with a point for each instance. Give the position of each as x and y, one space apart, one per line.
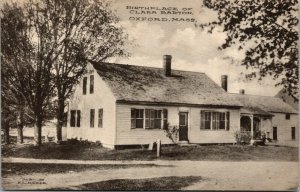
82 30
267 30
61 36
13 44
28 56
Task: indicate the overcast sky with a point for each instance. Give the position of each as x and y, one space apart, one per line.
191 48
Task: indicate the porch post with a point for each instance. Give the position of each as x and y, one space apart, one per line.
252 132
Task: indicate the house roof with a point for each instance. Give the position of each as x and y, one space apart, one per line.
263 105
288 99
131 83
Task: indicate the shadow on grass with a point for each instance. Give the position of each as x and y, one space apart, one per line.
160 183
11 169
209 152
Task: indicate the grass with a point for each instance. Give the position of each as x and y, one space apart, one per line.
11 169
161 183
209 152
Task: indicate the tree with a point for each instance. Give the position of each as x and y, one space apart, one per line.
267 31
81 31
28 58
58 39
13 43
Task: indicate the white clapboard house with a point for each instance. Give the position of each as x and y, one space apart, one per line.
119 105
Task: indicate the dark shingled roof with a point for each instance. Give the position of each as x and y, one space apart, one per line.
148 84
263 105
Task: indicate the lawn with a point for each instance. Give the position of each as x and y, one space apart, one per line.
197 152
161 183
12 169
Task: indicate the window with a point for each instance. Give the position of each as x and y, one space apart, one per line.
153 118
137 118
293 129
100 118
212 120
274 133
287 116
91 84
75 118
84 85
92 117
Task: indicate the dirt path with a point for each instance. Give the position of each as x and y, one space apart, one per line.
217 175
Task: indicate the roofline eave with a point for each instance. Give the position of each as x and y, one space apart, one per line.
177 104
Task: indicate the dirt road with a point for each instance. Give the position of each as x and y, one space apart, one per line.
248 175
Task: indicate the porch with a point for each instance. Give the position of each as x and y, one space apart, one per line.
251 124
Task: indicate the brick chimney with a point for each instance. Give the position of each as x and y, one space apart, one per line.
242 91
167 65
224 79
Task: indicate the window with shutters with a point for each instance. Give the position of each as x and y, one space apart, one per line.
100 118
152 119
75 118
214 120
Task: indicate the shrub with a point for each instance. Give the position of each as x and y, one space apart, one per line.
172 132
242 137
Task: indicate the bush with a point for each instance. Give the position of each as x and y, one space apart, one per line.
243 137
172 132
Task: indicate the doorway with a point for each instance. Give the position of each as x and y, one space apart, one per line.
183 126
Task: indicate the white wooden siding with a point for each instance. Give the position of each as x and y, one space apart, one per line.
284 133
101 98
128 136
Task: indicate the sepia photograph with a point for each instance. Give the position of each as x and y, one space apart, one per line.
149 95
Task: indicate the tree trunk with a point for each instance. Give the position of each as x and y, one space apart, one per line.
20 124
60 119
20 133
38 131
6 132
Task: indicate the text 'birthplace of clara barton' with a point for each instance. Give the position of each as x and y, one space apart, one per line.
140 13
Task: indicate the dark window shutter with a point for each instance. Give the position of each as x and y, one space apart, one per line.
91 84
202 126
92 117
72 119
78 118
84 85
100 118
228 121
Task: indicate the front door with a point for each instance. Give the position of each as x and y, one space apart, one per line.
183 126
274 133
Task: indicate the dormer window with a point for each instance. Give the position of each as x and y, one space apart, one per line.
287 116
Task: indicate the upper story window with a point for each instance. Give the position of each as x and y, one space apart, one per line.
91 84
287 116
75 118
84 85
212 120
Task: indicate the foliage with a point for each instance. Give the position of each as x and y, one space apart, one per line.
242 137
267 31
172 132
45 48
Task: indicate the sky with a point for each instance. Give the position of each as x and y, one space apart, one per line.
192 49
